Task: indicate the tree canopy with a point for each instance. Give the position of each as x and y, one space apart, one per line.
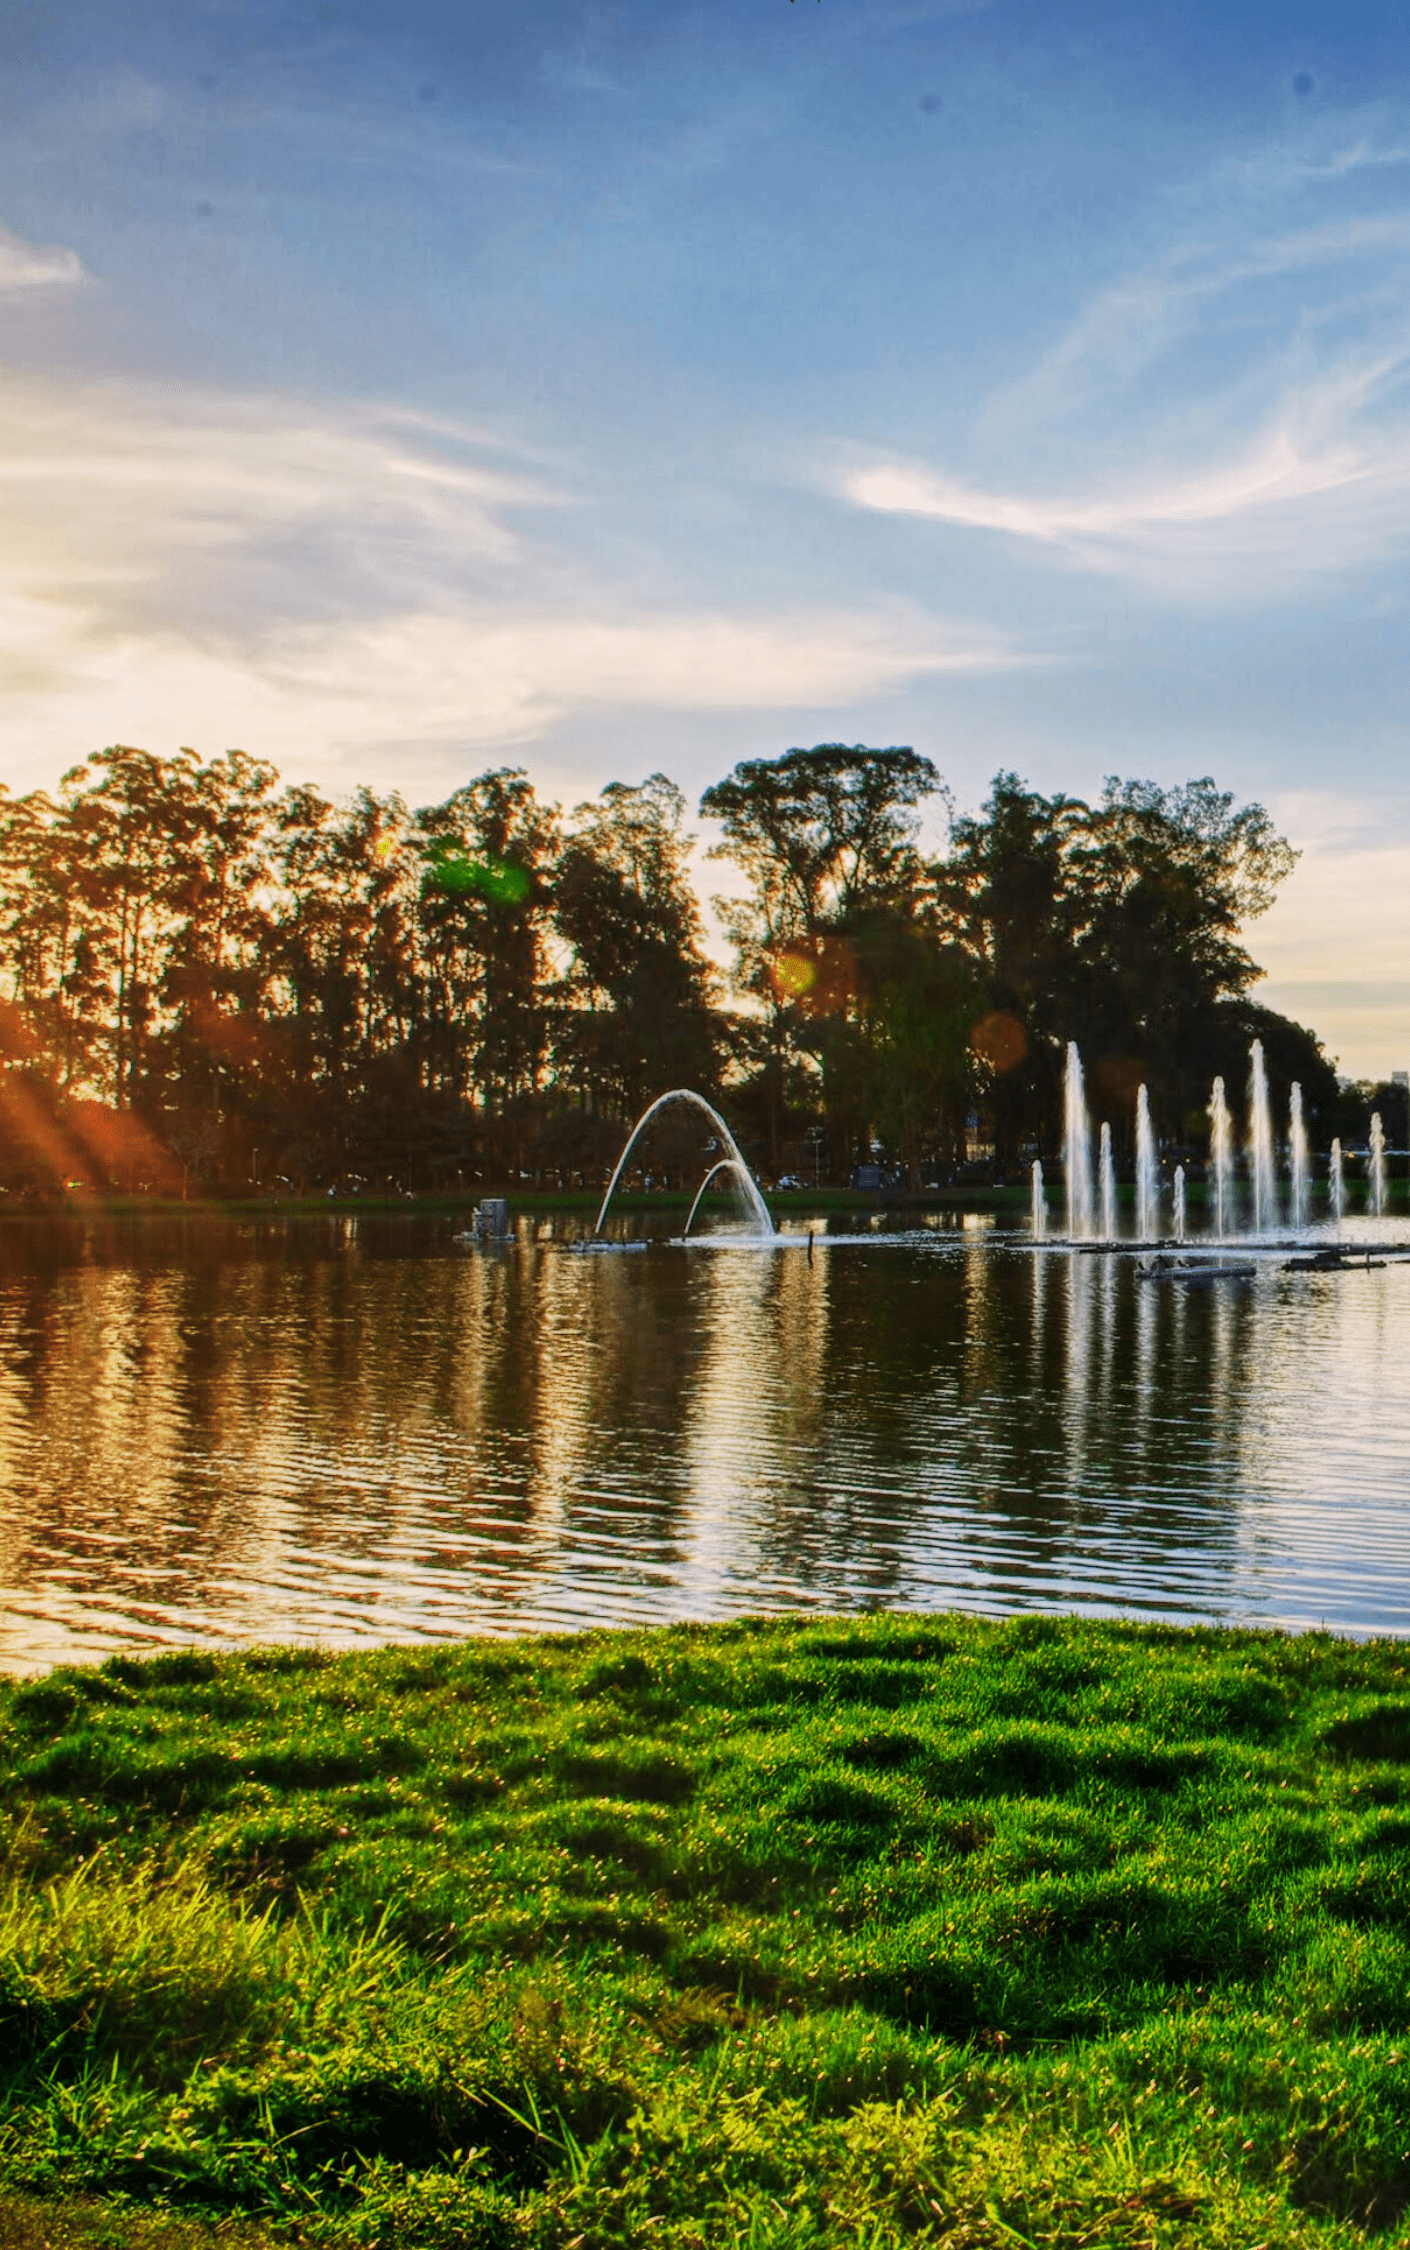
209 973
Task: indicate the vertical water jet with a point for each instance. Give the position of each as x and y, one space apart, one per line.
1297 1144
1378 1165
1106 1173
1336 1184
1221 1156
1077 1147
1177 1220
1147 1184
1260 1143
1040 1206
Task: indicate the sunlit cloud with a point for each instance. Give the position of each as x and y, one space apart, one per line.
35 265
355 594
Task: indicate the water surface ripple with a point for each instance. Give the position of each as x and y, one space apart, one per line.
356 1431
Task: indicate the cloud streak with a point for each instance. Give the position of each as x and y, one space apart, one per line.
36 265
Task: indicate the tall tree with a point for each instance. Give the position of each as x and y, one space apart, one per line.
825 837
637 1014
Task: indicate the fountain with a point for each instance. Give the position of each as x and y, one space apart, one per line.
1260 1143
1040 1205
1378 1164
1177 1223
1077 1147
1297 1143
1221 1154
726 1164
1106 1172
1147 1185
759 1210
1336 1184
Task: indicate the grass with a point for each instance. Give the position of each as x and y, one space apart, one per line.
754 1937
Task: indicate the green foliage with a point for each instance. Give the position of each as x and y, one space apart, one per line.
827 1932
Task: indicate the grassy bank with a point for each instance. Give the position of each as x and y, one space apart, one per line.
840 1932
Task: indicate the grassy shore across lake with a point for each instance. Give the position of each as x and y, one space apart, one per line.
846 1932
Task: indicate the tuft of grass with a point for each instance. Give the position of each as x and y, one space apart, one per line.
824 1932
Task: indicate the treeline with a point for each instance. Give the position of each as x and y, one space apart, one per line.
210 975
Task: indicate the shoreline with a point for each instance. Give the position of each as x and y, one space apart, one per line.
578 1203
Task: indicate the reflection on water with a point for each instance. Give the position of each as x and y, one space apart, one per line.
350 1430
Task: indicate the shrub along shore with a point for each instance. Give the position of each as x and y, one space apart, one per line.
863 1932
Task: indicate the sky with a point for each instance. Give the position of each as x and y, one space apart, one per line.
397 391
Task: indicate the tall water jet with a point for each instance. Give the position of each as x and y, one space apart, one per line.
1077 1146
1106 1173
1221 1156
1378 1164
1336 1184
1147 1184
1297 1140
759 1210
1040 1204
1177 1221
1260 1143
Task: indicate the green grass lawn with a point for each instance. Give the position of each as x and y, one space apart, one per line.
816 1932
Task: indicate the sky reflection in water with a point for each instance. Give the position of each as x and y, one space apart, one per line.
352 1430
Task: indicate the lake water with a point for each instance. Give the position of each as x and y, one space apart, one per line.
351 1430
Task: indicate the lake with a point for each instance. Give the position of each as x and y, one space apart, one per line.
352 1429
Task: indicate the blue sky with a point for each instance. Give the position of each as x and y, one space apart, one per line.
401 390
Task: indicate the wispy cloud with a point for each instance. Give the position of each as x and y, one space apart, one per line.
1233 418
355 590
35 265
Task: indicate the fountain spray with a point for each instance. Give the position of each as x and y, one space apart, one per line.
1260 1143
1297 1136
1336 1184
1106 1172
1178 1217
1221 1151
1077 1147
1147 1187
1040 1206
1378 1164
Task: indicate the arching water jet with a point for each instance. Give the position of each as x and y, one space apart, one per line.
763 1223
726 1164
